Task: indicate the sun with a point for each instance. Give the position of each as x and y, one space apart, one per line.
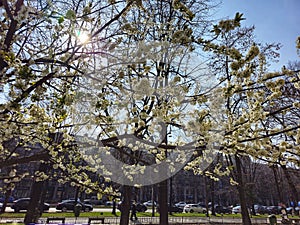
83 37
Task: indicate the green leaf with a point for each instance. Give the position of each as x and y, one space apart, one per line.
61 20
71 15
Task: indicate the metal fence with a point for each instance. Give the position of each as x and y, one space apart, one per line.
151 220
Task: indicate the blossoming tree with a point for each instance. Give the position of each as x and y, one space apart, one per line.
259 117
139 98
40 60
122 86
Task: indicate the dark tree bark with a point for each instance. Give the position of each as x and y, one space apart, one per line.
11 30
295 195
277 183
212 193
76 195
125 206
171 194
242 194
35 208
114 208
152 197
206 196
163 202
6 198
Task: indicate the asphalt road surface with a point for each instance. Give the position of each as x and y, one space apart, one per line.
53 209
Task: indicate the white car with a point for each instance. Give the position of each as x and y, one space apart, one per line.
236 209
149 203
180 204
190 208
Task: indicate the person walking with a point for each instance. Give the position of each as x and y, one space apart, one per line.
133 211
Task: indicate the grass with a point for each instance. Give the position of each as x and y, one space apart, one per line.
140 214
104 214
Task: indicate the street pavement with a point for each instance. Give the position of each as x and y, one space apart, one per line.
53 209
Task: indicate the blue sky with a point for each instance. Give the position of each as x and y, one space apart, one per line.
275 21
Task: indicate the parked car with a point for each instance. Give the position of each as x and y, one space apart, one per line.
149 203
297 210
260 209
109 203
180 204
70 204
139 207
173 209
289 210
10 199
23 203
93 201
190 208
222 209
273 210
236 209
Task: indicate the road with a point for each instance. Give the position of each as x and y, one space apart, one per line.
52 209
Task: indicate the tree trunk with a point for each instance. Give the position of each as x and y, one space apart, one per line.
6 198
76 194
277 183
152 198
35 208
295 195
242 194
171 195
253 210
114 208
163 202
206 196
125 206
212 193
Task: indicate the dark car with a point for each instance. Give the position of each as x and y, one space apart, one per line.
222 209
10 199
23 203
93 201
173 208
68 205
274 210
260 209
139 207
